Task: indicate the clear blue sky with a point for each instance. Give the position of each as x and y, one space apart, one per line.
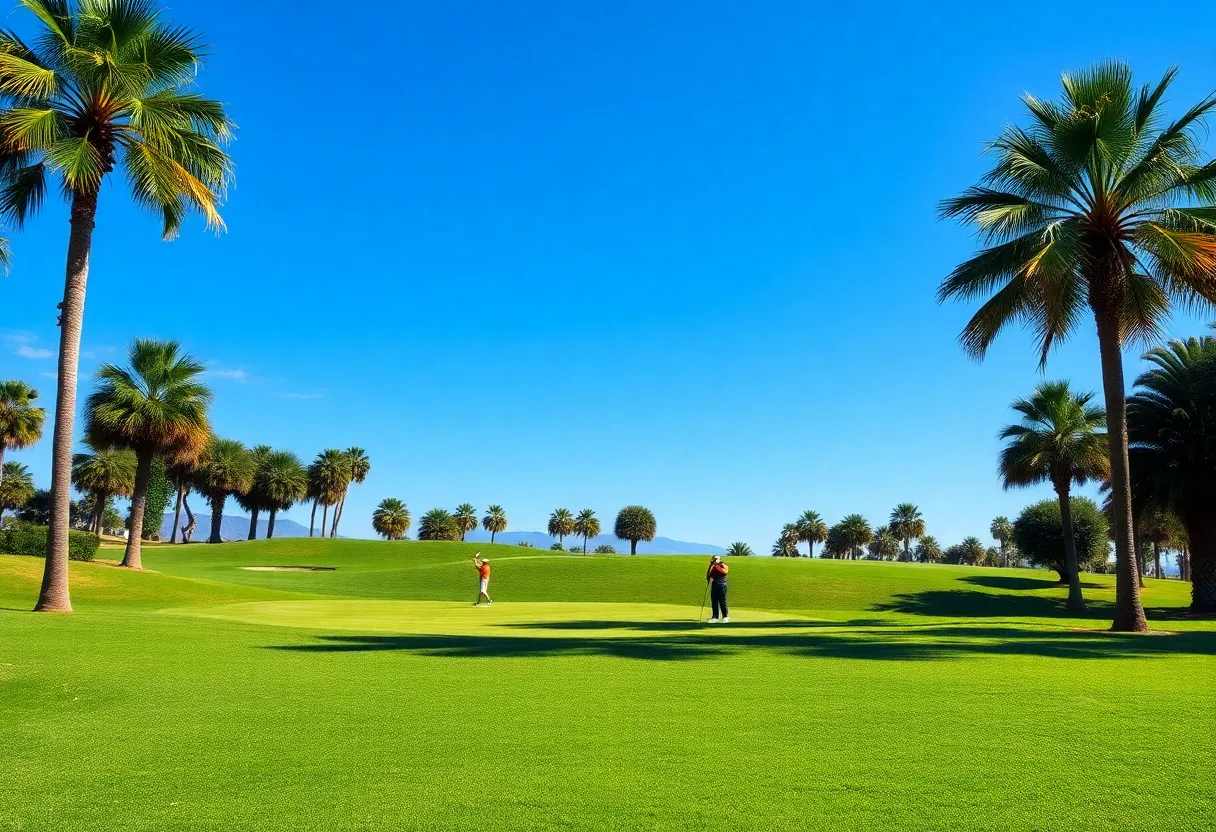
586 254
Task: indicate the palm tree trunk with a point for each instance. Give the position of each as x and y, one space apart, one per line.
132 558
1201 529
54 595
324 517
1 465
1129 611
189 520
217 517
270 524
1076 602
253 523
633 547
492 533
312 521
1156 559
907 550
338 515
177 512
1184 568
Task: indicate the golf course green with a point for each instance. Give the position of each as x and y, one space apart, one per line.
201 694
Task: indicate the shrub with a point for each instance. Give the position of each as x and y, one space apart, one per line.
28 539
523 543
1039 535
557 547
605 549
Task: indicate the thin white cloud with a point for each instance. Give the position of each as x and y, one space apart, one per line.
299 395
231 375
49 374
26 351
20 337
96 352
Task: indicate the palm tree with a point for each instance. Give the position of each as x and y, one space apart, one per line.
252 500
855 533
784 547
1002 532
179 473
329 476
495 521
907 525
1172 426
280 481
437 524
1059 440
391 519
16 486
561 523
884 545
972 551
104 474
634 523
359 466
20 421
789 539
928 550
811 530
226 467
1100 203
157 408
738 549
103 85
466 519
587 525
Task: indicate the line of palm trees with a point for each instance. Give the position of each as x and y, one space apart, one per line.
846 539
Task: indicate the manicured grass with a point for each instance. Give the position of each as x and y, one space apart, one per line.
202 696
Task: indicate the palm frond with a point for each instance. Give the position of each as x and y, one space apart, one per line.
22 194
79 162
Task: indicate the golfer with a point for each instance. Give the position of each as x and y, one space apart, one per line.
716 578
483 583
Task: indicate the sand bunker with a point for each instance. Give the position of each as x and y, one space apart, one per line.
290 568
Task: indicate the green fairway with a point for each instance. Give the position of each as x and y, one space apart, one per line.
201 695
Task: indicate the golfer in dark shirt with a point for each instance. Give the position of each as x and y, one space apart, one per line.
716 578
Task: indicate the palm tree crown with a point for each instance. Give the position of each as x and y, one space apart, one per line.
226 467
1100 203
437 524
855 533
16 487
738 549
278 483
20 420
391 519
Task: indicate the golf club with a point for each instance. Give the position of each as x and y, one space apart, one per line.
703 597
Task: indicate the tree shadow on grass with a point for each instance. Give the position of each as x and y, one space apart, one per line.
683 626
968 603
875 644
1016 582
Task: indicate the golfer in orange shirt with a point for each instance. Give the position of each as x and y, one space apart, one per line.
483 585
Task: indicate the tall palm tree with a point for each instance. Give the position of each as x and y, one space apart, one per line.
280 482
16 488
329 476
587 525
907 524
466 519
784 547
1059 440
391 519
226 467
1099 203
884 545
358 467
811 530
561 523
156 408
738 549
104 474
104 84
1172 424
20 420
1002 532
972 551
252 500
179 474
495 521
856 532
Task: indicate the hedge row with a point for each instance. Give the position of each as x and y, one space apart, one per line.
27 539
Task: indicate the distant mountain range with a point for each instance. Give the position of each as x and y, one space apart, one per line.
658 546
233 528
